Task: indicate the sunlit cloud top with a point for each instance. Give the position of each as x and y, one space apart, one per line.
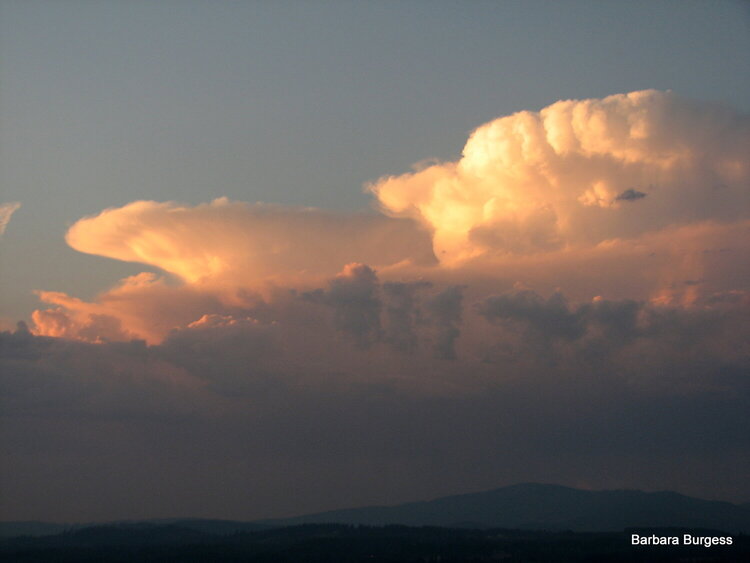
580 172
240 243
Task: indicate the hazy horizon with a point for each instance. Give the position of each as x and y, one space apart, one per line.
345 508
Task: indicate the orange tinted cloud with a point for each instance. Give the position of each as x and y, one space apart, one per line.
143 306
223 253
238 243
579 173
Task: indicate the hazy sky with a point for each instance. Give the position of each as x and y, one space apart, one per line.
277 257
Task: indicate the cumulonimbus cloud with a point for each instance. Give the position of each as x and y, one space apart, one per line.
642 196
588 308
578 173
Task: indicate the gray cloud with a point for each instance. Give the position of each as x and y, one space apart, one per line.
403 313
399 314
353 295
551 316
238 412
445 309
656 348
630 195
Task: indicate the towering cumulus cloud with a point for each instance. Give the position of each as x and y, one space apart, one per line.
579 173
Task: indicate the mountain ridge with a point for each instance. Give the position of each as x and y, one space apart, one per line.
523 506
536 506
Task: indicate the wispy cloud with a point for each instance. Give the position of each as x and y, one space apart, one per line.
6 211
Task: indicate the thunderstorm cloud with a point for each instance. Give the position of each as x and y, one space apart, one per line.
569 301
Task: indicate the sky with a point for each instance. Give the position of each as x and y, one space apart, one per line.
266 258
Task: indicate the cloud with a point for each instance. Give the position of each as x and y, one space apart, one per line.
400 314
652 267
552 180
551 316
352 294
224 255
630 195
538 198
660 350
6 211
234 243
446 310
403 313
242 410
143 306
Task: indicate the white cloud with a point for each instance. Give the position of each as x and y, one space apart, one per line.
576 174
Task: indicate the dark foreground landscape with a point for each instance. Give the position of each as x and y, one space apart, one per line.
521 523
347 543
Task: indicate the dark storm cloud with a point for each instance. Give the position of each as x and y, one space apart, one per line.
620 321
402 313
446 310
551 316
630 195
353 295
656 349
399 314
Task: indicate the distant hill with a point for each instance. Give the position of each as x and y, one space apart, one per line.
521 507
547 507
208 526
